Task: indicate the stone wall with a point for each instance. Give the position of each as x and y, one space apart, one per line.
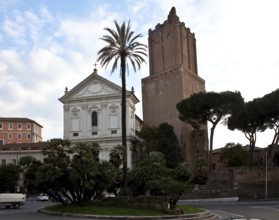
242 182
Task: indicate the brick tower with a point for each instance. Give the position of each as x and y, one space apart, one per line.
173 77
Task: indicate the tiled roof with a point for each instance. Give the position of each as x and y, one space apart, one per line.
18 120
15 146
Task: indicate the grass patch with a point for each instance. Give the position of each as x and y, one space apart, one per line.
116 211
189 209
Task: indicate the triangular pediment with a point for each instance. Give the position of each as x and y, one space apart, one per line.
93 86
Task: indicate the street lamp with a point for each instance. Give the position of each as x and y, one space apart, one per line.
265 175
18 155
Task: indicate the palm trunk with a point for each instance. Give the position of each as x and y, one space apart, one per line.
123 119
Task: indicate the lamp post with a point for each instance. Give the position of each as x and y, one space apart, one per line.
265 175
18 155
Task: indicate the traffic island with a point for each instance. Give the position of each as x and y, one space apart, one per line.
204 215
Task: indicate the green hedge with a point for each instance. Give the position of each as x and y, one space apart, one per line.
150 202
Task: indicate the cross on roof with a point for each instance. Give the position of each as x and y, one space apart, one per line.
95 65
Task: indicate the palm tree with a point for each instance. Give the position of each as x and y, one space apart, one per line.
122 47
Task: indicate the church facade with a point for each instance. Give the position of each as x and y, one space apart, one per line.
92 113
173 77
92 109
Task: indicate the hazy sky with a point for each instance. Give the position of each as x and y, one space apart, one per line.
46 45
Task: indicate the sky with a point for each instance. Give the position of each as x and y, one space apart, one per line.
47 45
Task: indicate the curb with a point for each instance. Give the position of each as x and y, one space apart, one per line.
227 199
206 214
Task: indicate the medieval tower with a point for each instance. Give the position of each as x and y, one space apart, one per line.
173 77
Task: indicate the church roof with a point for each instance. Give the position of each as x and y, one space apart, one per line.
95 86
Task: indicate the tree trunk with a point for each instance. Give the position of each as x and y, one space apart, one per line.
211 146
251 152
252 144
123 119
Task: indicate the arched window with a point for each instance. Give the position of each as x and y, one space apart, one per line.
94 121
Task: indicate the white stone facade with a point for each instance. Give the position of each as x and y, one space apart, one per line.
92 113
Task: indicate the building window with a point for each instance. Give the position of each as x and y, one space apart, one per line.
19 126
114 116
28 126
113 121
75 119
10 126
94 122
1 142
14 161
113 131
3 162
94 119
1 126
10 136
28 136
75 134
19 136
75 124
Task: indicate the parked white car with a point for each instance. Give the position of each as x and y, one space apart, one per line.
42 197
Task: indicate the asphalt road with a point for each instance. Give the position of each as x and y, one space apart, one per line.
29 212
267 210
